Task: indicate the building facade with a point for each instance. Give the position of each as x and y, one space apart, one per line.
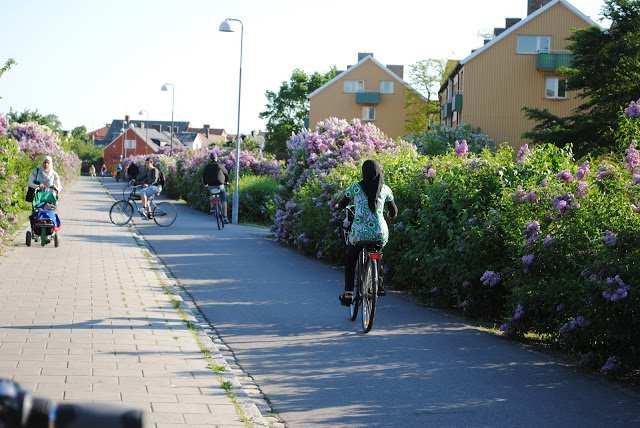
135 142
369 91
517 68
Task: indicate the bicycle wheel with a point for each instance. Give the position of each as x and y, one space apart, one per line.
221 218
164 214
369 295
121 213
357 285
216 214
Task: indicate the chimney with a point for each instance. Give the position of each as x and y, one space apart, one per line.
363 55
398 70
510 22
533 5
206 130
498 31
486 41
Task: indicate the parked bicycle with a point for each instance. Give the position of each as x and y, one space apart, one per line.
368 277
18 409
216 207
163 213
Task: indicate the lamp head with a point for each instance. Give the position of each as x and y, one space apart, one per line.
225 27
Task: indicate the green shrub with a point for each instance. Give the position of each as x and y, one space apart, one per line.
441 138
257 198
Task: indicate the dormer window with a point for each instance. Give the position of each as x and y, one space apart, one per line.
529 45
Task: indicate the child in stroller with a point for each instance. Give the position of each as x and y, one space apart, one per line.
44 221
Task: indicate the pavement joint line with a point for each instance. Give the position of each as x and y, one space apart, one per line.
249 404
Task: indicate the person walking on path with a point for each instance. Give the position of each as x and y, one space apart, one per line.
92 171
215 177
103 171
45 177
369 197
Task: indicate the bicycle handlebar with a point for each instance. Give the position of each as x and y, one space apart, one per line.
18 409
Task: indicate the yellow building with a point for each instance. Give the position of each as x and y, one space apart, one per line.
369 91
517 68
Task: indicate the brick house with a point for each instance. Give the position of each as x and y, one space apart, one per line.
135 142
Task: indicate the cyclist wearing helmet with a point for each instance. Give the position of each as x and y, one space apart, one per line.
370 195
214 177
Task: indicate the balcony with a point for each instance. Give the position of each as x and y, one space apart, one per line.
368 98
456 103
552 61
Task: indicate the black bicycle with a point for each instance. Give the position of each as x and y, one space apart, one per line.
216 206
19 409
163 213
367 278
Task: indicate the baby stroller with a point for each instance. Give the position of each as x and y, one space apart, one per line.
45 223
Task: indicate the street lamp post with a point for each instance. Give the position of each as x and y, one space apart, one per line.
173 97
146 124
225 27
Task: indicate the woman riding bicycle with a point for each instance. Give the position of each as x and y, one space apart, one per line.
369 197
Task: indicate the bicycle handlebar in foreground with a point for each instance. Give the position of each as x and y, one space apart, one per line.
18 409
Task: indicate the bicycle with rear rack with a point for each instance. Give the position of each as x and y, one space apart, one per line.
367 278
215 202
164 214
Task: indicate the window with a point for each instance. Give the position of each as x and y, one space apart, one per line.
129 144
368 113
555 88
386 87
533 44
353 86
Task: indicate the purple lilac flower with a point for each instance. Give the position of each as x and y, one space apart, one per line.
603 173
4 125
290 205
565 203
610 238
533 227
461 148
632 157
549 240
430 172
621 292
612 362
527 260
490 278
582 189
520 195
565 176
583 171
505 328
523 153
574 323
633 109
532 197
518 313
636 178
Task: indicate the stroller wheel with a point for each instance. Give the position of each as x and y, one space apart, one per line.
56 241
28 238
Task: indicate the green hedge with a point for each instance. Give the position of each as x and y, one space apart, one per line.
469 216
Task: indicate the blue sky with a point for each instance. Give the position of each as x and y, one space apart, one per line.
92 61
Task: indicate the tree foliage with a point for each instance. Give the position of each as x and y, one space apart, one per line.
287 109
605 73
425 76
50 120
7 66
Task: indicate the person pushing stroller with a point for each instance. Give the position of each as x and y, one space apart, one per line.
46 187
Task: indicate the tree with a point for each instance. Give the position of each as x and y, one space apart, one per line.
50 120
78 141
7 66
605 72
287 109
425 76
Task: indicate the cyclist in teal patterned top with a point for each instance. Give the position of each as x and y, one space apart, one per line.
369 197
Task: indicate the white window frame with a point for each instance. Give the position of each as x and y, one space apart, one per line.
130 144
381 87
555 87
366 113
539 44
359 86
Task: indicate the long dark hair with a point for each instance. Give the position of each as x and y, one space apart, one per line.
372 182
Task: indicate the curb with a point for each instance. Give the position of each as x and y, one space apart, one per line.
254 408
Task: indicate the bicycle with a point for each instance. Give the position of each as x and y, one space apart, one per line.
164 214
216 207
367 277
18 409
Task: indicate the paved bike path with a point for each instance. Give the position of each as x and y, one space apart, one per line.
418 367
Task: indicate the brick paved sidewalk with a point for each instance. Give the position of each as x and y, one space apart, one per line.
89 321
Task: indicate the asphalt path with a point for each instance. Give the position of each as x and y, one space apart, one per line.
418 367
